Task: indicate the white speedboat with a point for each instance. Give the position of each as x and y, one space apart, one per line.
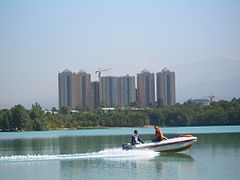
168 145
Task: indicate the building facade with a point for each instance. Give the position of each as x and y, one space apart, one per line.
117 91
166 90
83 81
203 101
74 89
128 90
65 88
95 94
109 91
145 88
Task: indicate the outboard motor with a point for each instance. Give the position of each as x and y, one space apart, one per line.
126 146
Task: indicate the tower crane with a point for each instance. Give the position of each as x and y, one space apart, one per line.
99 71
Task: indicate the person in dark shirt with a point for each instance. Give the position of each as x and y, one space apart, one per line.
135 138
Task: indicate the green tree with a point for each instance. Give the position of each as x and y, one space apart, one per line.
37 116
54 110
20 118
65 110
5 119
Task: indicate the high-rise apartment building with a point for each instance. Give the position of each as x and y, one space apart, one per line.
109 91
74 89
65 88
95 94
83 85
128 90
117 91
145 88
166 93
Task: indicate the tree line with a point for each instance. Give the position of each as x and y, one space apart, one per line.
222 112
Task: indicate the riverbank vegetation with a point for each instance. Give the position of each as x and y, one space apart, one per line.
186 114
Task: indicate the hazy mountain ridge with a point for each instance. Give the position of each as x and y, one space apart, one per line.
219 77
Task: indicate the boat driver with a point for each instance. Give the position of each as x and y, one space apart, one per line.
135 138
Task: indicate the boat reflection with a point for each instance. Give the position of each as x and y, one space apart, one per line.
176 157
162 165
172 163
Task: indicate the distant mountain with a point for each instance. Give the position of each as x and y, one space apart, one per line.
221 77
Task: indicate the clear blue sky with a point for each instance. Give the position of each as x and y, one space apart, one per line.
200 41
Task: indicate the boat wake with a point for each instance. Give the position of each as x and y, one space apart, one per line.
107 154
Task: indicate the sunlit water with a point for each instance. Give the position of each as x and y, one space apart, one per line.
90 154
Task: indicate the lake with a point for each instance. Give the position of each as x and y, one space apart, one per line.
97 154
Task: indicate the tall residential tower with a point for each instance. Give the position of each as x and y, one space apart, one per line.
166 93
109 91
128 90
117 91
95 94
65 88
74 89
83 81
145 88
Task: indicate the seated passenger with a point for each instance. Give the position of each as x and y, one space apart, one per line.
158 135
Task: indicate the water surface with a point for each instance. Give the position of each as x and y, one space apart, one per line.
96 154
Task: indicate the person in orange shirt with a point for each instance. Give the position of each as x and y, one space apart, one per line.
158 134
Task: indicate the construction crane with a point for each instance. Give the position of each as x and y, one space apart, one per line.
99 71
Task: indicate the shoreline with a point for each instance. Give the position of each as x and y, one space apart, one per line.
107 127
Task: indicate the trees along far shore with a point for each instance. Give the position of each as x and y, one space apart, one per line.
222 112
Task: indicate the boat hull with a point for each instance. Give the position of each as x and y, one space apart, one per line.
170 145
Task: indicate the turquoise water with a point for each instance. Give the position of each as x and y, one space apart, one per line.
118 131
96 154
